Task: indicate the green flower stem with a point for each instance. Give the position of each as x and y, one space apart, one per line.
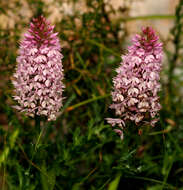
39 134
37 123
174 59
39 137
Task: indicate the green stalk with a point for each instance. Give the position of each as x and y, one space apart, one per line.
38 134
37 123
173 60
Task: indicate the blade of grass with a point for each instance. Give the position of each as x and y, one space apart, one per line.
7 148
168 129
114 184
148 17
170 164
103 186
174 141
86 102
104 47
81 60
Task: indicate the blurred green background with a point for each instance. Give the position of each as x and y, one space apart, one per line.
80 150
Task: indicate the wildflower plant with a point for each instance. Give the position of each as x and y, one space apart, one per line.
80 151
136 86
39 74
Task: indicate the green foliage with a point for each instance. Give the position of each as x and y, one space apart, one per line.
80 151
114 184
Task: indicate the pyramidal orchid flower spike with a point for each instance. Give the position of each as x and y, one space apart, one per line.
39 73
136 85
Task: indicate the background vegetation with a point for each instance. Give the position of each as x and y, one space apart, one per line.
80 150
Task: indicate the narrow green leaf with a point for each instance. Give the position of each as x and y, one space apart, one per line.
114 184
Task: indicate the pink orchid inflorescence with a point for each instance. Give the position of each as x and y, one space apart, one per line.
39 74
136 85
